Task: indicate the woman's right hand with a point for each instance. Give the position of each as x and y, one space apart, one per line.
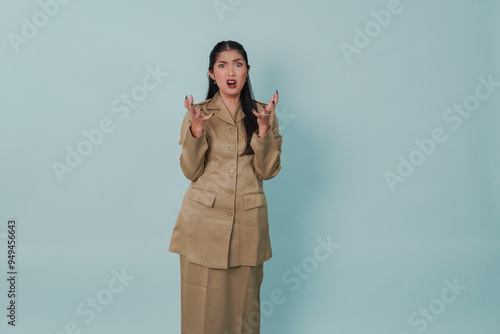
198 119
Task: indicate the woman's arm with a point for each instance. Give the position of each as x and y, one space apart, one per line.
192 159
193 140
267 149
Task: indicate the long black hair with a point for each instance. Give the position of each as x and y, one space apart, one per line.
247 100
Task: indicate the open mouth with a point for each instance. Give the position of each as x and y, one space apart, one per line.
231 83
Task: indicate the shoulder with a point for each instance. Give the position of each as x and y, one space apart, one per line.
260 104
199 105
203 103
272 117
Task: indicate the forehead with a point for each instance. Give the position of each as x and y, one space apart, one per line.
229 56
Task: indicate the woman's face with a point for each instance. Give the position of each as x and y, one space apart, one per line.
230 73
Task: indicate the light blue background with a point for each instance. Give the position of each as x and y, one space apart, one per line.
344 125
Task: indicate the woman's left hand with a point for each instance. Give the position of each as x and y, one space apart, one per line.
263 117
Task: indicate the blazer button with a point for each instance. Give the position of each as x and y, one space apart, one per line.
229 213
231 148
230 191
232 171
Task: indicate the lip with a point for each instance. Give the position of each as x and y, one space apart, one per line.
231 83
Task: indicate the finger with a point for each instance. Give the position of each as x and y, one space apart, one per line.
272 102
193 111
207 117
199 114
266 113
201 117
263 114
190 104
276 100
186 102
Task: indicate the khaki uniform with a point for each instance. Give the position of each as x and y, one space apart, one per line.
222 231
220 301
223 218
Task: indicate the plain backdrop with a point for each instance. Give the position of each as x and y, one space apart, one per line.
390 158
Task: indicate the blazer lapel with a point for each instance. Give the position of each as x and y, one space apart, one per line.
217 106
240 115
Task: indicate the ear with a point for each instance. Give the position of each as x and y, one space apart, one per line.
210 73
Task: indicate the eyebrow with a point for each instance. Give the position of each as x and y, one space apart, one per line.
223 61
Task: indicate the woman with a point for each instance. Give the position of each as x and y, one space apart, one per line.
230 144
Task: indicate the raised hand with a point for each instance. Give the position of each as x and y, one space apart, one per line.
198 119
263 117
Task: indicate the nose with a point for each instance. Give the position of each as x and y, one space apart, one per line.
231 71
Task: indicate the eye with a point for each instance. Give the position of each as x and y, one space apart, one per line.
222 65
239 64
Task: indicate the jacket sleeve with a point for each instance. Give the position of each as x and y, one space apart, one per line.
192 157
267 157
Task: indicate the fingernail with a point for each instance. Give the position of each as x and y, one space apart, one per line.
213 113
186 97
273 101
201 109
191 104
276 91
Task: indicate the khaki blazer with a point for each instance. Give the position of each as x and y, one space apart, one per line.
223 220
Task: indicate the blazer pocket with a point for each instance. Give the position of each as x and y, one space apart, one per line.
199 195
254 200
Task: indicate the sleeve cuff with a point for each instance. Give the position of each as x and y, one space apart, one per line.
190 140
264 144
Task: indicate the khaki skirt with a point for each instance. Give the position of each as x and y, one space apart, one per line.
220 301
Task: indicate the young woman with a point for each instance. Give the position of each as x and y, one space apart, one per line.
230 144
